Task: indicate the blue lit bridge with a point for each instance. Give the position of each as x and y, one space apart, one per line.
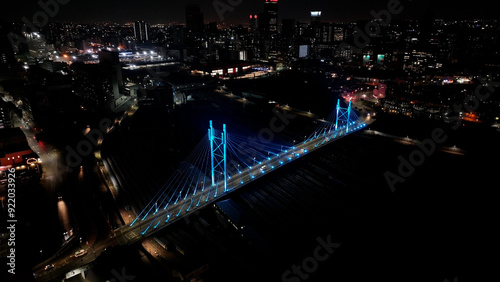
223 162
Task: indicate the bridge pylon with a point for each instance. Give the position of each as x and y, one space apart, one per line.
343 115
218 157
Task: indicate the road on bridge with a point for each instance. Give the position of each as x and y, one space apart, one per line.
163 217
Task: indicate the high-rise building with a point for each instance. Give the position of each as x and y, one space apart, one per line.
175 35
4 115
194 19
212 29
316 27
268 28
315 17
141 31
253 23
338 34
327 33
288 28
36 45
110 62
288 33
8 62
100 86
254 36
271 17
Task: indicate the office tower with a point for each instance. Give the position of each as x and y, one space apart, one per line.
36 45
254 36
316 27
141 31
8 62
268 28
212 29
315 17
338 34
253 23
194 19
99 86
271 17
4 115
327 33
110 62
288 28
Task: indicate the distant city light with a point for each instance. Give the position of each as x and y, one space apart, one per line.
315 14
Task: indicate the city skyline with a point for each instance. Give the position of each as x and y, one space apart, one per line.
238 140
163 12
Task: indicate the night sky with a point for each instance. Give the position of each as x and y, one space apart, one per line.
166 11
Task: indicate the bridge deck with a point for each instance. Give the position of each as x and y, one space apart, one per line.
152 223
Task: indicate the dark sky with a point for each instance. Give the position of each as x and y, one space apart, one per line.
165 11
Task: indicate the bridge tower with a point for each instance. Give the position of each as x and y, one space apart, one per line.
343 115
218 156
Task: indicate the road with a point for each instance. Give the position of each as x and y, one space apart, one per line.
53 169
93 216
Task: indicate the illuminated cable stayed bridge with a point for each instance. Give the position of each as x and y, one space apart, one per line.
223 162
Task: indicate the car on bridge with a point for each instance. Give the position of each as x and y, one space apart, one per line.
80 253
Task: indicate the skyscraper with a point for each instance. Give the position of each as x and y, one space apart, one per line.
288 28
268 28
315 17
194 19
141 31
4 115
110 62
252 23
36 45
271 13
8 62
316 27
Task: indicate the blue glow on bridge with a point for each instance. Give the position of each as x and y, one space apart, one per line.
222 162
